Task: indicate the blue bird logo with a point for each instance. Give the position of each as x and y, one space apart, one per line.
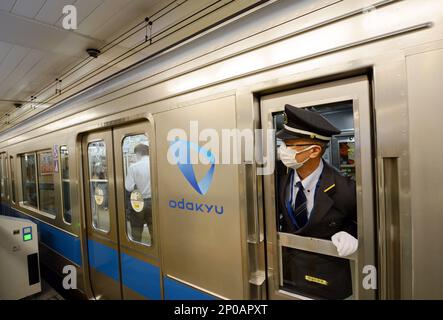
181 153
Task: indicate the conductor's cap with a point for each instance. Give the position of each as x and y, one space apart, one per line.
302 123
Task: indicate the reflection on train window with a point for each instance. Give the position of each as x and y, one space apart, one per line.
138 203
306 273
12 164
66 198
98 184
29 180
46 182
346 148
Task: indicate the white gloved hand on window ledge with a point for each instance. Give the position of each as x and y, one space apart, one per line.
345 243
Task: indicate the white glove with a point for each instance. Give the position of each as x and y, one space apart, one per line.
345 243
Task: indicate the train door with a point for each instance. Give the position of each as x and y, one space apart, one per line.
296 264
122 250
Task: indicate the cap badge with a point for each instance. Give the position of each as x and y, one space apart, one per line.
285 119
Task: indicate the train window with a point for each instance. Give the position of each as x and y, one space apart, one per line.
2 177
138 203
98 182
12 165
29 180
66 198
304 272
46 189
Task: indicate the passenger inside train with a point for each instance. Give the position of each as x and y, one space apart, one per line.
138 189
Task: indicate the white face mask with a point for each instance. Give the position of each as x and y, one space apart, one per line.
288 156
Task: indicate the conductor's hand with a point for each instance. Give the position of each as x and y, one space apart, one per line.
345 243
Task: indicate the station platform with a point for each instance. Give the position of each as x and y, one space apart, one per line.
47 293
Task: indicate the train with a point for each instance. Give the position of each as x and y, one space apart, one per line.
373 68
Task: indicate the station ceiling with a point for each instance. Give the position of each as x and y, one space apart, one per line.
35 49
36 52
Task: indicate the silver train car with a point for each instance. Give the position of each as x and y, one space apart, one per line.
374 68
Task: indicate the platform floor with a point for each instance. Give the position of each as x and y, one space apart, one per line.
47 293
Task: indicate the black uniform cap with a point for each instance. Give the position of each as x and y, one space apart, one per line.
302 123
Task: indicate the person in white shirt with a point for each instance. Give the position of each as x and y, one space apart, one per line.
138 185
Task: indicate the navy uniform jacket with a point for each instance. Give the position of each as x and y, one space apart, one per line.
334 210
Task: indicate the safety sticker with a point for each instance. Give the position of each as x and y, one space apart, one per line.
137 203
99 196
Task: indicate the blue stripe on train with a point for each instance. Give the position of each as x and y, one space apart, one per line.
63 243
103 259
138 275
175 290
141 277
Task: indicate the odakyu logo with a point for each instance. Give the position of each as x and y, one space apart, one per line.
181 151
195 206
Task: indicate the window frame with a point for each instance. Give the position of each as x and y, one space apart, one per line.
124 174
38 153
3 177
62 198
12 175
22 202
38 208
93 225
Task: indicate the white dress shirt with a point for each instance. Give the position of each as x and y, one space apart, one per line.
309 184
139 177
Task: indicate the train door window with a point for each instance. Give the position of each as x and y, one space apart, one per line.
137 182
303 261
46 190
312 274
66 197
98 183
12 166
29 180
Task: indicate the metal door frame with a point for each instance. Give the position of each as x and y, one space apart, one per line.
358 90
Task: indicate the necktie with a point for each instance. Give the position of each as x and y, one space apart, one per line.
300 206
